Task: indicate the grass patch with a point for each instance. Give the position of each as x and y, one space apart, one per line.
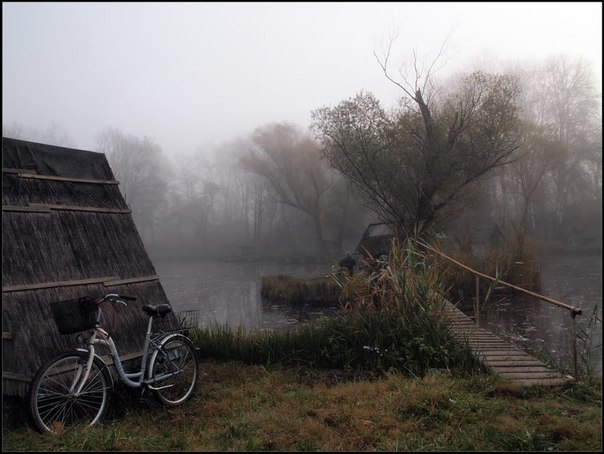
243 407
372 343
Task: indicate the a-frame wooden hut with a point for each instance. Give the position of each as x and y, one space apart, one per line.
66 232
376 240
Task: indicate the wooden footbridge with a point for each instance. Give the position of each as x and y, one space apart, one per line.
501 357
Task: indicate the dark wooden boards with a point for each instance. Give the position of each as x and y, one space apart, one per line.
500 356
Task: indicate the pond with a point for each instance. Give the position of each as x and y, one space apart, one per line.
229 293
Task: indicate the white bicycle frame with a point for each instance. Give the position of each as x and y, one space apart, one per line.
133 379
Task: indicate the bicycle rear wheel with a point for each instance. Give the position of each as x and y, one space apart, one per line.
54 402
177 362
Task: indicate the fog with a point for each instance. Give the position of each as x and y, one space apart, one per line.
188 74
203 111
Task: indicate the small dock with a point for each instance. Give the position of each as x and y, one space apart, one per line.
502 357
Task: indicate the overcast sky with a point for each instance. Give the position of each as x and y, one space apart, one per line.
188 74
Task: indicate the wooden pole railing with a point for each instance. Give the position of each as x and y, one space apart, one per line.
574 311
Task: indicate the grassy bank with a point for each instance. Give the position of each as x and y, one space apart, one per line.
370 343
256 408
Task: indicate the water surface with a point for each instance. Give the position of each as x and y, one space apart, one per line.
537 326
229 293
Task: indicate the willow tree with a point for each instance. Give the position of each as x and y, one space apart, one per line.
289 159
423 157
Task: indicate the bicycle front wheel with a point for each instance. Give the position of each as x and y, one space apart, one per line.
174 370
54 401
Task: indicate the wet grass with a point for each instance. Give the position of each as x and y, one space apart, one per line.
243 407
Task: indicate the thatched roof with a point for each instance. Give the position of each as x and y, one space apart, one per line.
376 240
66 232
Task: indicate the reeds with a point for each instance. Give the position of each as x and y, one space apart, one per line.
292 290
392 318
515 263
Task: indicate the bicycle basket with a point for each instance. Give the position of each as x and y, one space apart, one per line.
73 316
181 320
188 319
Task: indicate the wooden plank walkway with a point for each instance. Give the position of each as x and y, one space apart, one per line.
502 357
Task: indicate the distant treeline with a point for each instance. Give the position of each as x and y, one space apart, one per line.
282 191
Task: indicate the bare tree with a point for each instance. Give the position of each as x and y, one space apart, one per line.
571 107
290 161
246 200
142 170
528 173
415 162
560 99
53 134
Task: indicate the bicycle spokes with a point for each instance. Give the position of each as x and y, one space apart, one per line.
65 394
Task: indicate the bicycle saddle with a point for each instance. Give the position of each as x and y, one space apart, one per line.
157 311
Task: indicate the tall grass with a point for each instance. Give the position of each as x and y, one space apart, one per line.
293 290
589 341
516 262
392 318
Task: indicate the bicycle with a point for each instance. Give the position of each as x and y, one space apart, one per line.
75 386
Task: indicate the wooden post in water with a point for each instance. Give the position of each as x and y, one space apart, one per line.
573 340
477 308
